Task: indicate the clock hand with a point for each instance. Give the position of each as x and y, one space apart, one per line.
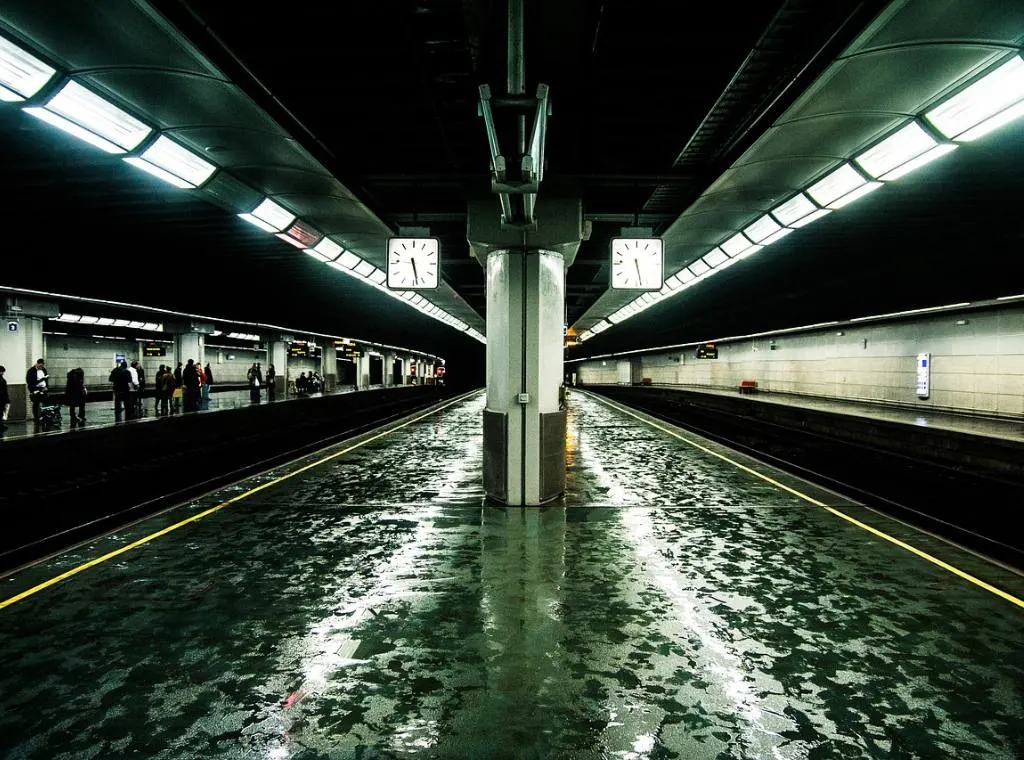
640 277
416 277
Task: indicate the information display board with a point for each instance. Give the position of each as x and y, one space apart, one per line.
924 370
299 348
154 349
707 351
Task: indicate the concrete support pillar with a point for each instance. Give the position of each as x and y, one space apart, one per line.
189 345
329 366
20 345
389 370
277 354
524 426
363 371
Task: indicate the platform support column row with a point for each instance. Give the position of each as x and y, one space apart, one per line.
19 349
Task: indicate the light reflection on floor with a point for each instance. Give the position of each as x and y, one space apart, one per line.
372 608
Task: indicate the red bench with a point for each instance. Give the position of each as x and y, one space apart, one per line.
747 386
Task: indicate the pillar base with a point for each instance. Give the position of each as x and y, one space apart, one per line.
496 460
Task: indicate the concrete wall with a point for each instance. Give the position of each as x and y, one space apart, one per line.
96 357
231 365
976 367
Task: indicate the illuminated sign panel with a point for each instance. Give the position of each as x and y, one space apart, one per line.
707 351
154 349
924 368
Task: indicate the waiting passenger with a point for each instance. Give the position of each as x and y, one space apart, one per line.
302 384
35 382
167 389
255 378
121 380
75 393
5 399
190 386
271 382
209 382
179 387
202 385
157 380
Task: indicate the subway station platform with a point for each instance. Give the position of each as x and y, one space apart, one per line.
100 414
1003 428
686 601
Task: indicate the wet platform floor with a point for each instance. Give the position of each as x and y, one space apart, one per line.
677 606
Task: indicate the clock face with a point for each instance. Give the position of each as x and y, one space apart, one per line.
413 263
637 264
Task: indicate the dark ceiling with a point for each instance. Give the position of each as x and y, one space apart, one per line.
651 103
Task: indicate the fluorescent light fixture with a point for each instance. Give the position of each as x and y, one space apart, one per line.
1010 114
270 217
300 234
762 229
860 192
736 245
21 75
377 277
349 260
122 322
73 129
685 276
987 99
172 163
796 208
153 327
812 218
698 268
105 321
87 110
365 268
937 152
89 320
328 249
673 282
715 257
729 262
69 318
777 236
835 185
317 255
747 253
903 145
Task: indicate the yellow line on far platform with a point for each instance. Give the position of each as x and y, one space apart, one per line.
852 520
207 512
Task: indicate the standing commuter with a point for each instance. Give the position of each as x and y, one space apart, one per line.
133 388
271 383
167 386
202 385
142 387
255 378
121 379
190 386
177 384
5 399
157 387
209 382
35 381
75 392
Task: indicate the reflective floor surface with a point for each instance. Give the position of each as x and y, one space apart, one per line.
677 606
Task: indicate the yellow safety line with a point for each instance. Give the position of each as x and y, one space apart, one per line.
875 531
205 513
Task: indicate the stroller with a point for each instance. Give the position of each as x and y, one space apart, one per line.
49 416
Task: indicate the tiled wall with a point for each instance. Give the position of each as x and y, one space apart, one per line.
977 366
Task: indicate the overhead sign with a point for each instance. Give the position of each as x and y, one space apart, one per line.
707 351
924 369
299 348
12 326
151 348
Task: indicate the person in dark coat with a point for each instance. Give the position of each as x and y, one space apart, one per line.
35 382
209 382
255 377
121 380
5 399
177 384
190 386
74 394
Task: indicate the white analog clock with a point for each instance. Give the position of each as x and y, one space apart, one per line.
637 264
413 263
